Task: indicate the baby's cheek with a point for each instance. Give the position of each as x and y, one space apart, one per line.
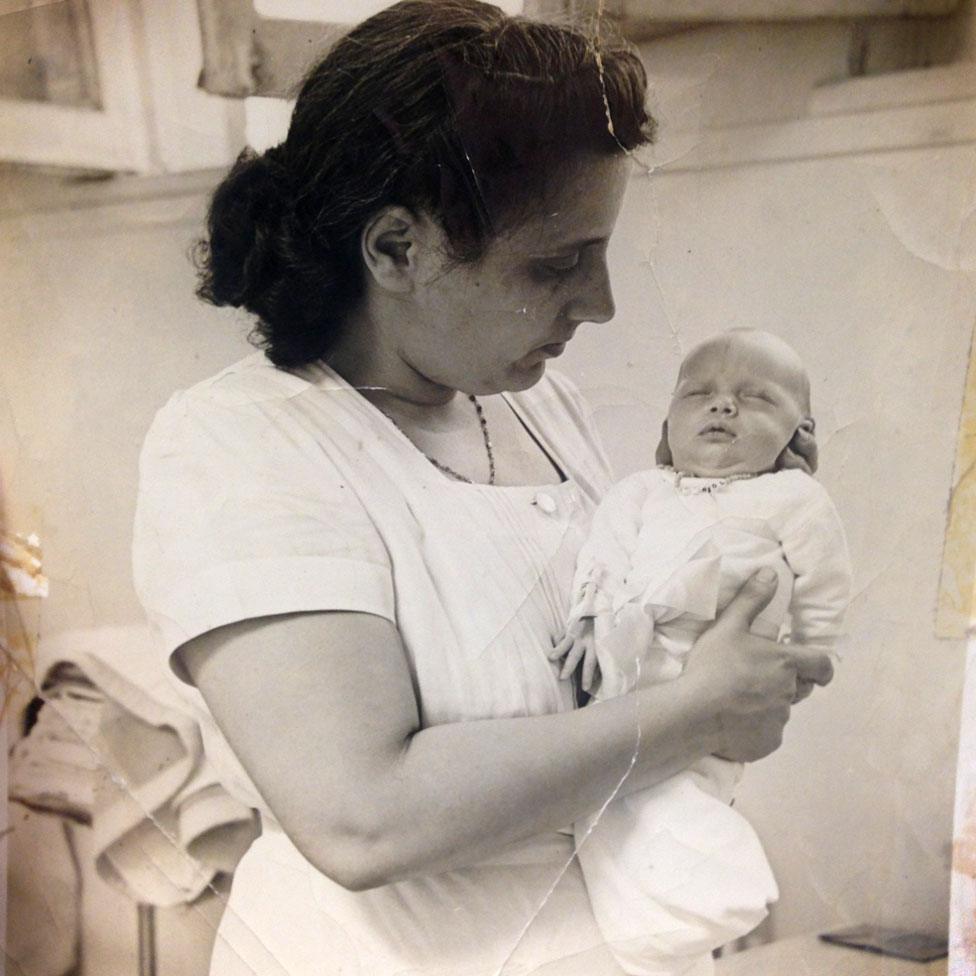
678 424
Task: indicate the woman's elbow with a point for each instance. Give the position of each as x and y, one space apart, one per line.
364 871
357 859
356 876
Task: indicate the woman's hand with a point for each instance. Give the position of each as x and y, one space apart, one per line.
801 452
752 681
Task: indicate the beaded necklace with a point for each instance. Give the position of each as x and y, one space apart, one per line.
710 485
450 472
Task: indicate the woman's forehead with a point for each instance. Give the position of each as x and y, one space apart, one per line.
580 210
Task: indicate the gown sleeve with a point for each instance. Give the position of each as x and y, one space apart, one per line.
242 513
815 548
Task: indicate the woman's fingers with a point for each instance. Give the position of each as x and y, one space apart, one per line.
811 664
750 740
804 689
663 453
753 680
801 452
804 445
749 602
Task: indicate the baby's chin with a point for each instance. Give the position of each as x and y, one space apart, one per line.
726 467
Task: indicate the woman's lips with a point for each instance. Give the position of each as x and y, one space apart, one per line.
553 349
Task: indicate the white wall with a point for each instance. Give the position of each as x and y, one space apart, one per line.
100 326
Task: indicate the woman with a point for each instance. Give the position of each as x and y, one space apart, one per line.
360 555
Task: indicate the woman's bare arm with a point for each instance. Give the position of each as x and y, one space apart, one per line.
321 711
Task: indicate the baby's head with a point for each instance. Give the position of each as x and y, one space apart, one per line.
740 397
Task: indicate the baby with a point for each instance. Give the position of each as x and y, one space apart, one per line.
672 871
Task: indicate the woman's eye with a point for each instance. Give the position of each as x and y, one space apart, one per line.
564 265
758 395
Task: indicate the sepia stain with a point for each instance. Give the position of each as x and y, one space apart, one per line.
954 610
22 586
964 846
962 923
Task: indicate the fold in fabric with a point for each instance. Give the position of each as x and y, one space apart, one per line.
163 826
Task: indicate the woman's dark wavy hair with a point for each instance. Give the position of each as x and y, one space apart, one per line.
447 107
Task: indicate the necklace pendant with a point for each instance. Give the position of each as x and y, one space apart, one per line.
445 469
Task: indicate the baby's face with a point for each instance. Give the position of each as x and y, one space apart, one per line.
738 402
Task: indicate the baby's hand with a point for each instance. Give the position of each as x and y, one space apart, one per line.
577 645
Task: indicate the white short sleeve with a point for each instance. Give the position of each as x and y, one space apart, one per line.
244 513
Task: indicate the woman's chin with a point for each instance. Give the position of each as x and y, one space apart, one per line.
525 373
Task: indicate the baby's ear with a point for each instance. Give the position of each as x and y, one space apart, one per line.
801 452
663 453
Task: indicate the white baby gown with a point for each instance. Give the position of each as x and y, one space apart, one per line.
673 872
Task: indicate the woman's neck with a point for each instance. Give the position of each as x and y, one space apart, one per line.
367 360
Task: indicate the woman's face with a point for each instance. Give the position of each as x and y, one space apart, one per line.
492 325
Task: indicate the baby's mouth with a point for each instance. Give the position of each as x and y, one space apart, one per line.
717 432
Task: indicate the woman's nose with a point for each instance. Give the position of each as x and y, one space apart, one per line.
594 302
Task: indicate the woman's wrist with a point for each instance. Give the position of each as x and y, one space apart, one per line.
688 713
705 707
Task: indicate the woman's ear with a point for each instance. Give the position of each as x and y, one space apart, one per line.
801 452
389 245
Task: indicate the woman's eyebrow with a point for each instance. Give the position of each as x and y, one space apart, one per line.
576 245
586 242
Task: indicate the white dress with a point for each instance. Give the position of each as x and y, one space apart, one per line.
264 492
673 871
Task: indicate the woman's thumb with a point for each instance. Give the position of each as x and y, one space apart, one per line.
752 598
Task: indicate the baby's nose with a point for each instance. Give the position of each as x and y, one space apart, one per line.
724 405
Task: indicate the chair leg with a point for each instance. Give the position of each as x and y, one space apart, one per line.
147 940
